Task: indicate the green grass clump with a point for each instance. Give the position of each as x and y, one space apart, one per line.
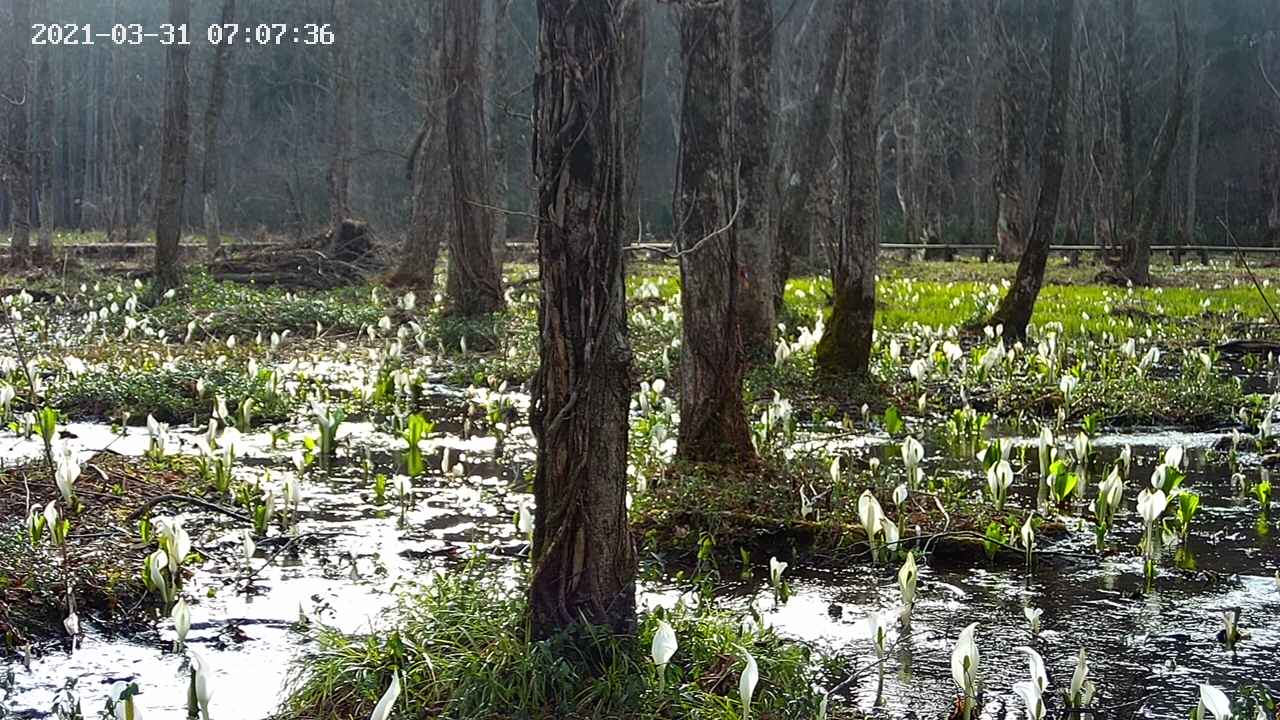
463 649
168 392
226 308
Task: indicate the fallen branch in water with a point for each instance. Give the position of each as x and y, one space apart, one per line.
149 505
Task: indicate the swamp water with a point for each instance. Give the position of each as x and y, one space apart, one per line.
1147 653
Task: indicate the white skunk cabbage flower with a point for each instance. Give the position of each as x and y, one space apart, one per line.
524 521
663 648
75 366
776 568
908 576
122 699
1215 701
964 664
382 710
1151 505
201 671
1082 688
1039 678
1033 616
747 683
181 616
248 546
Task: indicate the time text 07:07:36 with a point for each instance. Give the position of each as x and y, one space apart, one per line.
167 34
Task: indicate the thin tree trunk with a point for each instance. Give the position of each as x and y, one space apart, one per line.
845 347
1015 309
1193 143
1128 149
497 22
17 158
474 283
753 110
45 90
339 177
175 144
713 423
427 173
217 96
584 564
634 40
1138 251
87 202
811 149
1010 229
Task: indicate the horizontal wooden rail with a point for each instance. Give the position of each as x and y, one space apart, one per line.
896 247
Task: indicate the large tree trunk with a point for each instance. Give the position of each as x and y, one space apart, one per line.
753 109
209 176
584 562
1137 266
713 423
845 347
17 159
1018 304
810 150
427 171
175 141
474 283
634 40
1010 229
339 176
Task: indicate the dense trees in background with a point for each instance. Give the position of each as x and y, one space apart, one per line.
961 89
1015 309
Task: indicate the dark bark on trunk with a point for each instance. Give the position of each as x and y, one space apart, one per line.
175 144
795 223
713 423
209 174
584 561
753 110
1193 143
493 59
339 177
1271 186
427 174
635 32
1018 304
45 90
17 157
474 283
1137 267
1010 226
845 347
1128 151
